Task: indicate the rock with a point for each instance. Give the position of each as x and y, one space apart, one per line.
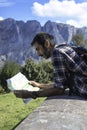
58 113
2 61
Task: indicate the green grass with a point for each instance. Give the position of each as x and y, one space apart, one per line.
13 110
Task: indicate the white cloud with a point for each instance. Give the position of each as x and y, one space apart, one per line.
58 21
73 22
67 10
1 18
4 3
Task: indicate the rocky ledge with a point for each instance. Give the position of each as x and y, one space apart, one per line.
58 113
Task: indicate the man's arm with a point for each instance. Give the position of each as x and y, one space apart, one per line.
49 92
41 93
46 90
41 86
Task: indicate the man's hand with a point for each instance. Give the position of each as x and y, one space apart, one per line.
23 94
41 86
35 84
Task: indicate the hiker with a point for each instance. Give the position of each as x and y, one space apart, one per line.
70 71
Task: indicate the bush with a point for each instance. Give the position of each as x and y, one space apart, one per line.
48 68
9 69
78 39
1 90
38 71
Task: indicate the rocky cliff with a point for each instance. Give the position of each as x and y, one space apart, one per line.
63 112
16 37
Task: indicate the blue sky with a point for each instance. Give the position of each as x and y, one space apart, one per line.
73 12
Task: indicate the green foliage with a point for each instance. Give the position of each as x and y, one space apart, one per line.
78 39
48 69
30 69
1 90
85 44
9 69
38 71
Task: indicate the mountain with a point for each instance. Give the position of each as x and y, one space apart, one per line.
16 37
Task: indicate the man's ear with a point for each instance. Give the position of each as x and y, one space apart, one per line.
47 44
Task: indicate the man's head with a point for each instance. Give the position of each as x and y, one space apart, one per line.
43 43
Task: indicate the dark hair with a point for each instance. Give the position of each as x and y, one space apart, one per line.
41 38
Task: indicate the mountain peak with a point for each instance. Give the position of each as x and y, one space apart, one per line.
16 36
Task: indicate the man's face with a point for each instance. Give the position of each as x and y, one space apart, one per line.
42 51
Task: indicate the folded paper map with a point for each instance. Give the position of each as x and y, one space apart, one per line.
20 82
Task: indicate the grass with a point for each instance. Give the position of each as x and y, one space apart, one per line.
13 110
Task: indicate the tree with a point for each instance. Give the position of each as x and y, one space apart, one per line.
30 69
38 71
85 43
48 68
78 39
9 69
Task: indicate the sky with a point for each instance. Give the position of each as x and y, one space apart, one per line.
73 12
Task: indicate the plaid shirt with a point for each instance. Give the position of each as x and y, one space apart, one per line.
69 70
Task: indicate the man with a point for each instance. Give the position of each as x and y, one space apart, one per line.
70 71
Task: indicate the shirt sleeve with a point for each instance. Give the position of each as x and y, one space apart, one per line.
60 71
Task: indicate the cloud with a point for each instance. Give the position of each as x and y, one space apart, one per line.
67 11
73 22
4 3
1 18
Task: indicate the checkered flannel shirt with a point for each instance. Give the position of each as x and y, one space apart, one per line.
70 71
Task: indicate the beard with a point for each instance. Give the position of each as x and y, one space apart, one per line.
47 53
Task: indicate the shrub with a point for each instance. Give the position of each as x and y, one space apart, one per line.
38 71
9 69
